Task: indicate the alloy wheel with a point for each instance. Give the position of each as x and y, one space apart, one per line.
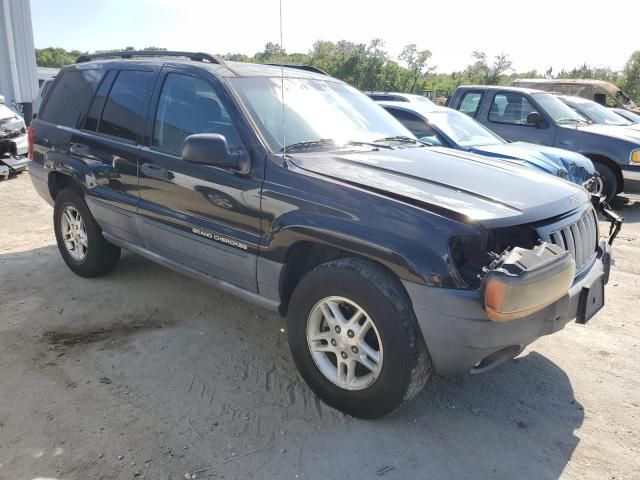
344 343
74 233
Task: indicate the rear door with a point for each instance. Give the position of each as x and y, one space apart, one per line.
200 216
506 112
109 143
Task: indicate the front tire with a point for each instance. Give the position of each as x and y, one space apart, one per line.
355 339
608 179
79 237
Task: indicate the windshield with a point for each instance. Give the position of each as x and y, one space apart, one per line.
463 130
601 115
318 113
560 112
634 117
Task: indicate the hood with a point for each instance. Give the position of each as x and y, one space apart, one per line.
616 131
468 187
570 165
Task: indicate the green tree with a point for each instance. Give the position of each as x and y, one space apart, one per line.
630 83
416 60
484 74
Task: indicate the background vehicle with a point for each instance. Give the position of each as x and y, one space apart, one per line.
446 127
604 93
182 158
44 87
629 115
598 114
13 140
399 97
520 114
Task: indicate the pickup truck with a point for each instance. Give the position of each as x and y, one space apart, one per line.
390 259
535 116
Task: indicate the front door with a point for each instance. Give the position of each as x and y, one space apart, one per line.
507 116
200 216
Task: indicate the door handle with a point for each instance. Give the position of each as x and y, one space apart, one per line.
154 171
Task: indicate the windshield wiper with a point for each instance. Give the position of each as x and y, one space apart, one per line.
400 139
308 144
324 142
374 144
569 120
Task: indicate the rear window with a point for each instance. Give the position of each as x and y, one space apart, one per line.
388 98
126 107
70 97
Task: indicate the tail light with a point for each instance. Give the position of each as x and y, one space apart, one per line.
31 135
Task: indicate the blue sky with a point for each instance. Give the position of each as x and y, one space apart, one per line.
558 33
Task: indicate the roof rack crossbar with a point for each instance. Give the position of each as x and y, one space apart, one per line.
195 56
308 68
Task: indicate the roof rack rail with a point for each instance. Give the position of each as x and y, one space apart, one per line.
195 56
308 68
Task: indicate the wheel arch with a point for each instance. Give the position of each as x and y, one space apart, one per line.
66 172
58 181
612 164
303 255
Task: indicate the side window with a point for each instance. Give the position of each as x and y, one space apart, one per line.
189 105
511 108
45 88
70 97
95 110
611 102
126 107
470 103
416 125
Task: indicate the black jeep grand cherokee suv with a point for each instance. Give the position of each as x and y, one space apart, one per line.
391 259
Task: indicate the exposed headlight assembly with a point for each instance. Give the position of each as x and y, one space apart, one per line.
524 281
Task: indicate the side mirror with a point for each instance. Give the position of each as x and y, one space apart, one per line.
534 118
209 149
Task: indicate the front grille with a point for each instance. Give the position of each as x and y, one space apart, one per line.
577 235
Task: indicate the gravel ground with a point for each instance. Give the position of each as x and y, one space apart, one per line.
145 373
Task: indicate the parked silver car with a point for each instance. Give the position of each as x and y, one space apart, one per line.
598 114
629 115
13 141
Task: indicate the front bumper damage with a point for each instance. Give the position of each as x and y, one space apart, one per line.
476 330
13 153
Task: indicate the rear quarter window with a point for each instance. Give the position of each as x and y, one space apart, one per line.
70 96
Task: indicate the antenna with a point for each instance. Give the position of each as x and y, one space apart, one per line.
284 142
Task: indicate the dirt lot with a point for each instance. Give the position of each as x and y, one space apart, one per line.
146 373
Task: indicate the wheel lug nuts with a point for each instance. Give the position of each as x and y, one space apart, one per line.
333 342
350 333
344 354
354 350
338 329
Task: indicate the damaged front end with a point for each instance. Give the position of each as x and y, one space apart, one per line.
615 219
538 263
521 282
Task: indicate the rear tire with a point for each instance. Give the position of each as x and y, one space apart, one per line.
609 180
79 237
372 388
